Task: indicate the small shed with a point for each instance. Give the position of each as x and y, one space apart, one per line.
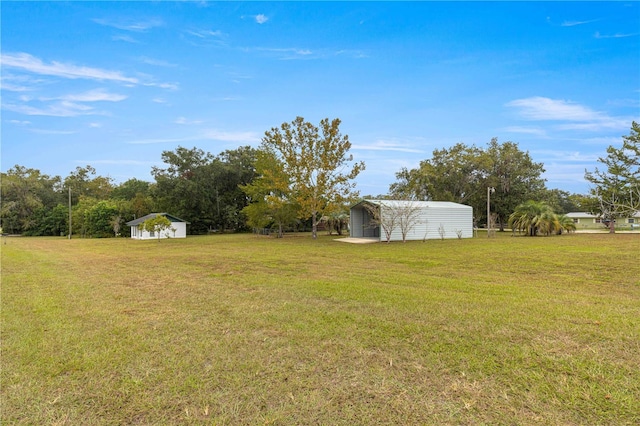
421 220
179 227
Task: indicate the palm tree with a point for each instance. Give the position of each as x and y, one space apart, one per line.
566 224
534 217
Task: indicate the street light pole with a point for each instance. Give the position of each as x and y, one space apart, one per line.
490 190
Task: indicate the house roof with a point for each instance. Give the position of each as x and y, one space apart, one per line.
578 215
139 220
417 204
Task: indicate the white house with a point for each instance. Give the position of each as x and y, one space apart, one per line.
178 227
422 220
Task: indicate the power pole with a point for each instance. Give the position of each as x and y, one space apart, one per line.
69 212
490 190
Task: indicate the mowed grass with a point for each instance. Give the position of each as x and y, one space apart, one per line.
238 329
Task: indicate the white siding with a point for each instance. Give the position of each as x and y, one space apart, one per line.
180 227
454 218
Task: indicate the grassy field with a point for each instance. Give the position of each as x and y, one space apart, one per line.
238 329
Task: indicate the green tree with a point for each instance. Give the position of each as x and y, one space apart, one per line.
454 174
130 189
315 160
158 226
463 173
24 193
271 201
204 189
616 187
84 182
100 218
515 177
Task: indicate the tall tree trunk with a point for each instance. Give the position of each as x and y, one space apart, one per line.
612 226
314 226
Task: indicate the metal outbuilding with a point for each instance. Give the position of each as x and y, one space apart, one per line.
178 228
427 220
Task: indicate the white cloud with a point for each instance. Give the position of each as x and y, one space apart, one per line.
156 62
116 162
124 37
163 140
131 25
574 23
14 88
540 108
95 125
526 130
261 19
243 137
382 145
576 116
58 109
53 132
617 35
20 122
32 64
564 156
288 52
183 120
206 33
90 96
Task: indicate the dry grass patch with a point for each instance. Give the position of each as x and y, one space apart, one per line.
234 329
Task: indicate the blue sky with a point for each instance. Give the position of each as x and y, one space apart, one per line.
113 84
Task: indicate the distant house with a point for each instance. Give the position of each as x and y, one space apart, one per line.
179 227
430 219
584 220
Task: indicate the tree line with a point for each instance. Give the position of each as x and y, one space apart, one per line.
302 174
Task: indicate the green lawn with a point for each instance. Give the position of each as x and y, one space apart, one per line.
238 329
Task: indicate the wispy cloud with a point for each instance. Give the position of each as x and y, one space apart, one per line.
575 23
526 130
156 62
183 120
384 145
206 33
20 122
616 35
58 109
243 137
261 19
161 140
32 64
124 37
564 156
541 108
131 25
96 95
200 37
212 134
117 162
576 116
53 132
286 53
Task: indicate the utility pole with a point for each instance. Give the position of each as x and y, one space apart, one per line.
69 212
490 190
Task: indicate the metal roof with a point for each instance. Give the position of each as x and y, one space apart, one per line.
139 220
417 204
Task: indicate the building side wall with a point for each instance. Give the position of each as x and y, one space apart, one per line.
180 232
452 220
